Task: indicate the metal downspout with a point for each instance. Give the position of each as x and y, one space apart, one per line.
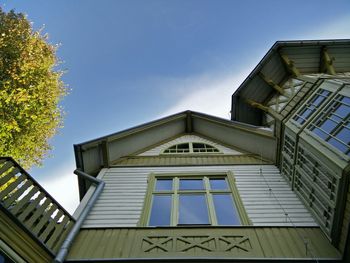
62 253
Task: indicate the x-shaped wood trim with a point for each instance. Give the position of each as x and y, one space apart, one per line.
236 243
157 243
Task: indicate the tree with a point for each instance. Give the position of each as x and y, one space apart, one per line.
30 91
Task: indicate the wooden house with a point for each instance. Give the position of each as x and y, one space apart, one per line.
271 184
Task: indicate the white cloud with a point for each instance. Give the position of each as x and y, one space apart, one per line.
339 28
63 186
211 93
206 93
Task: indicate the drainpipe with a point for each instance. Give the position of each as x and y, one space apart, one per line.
62 253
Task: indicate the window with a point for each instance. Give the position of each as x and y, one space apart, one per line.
191 147
178 148
317 185
287 157
311 106
185 200
333 124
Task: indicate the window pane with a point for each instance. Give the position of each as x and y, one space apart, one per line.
342 111
335 118
164 184
320 133
344 135
203 147
338 145
191 184
346 100
198 147
218 184
193 210
306 114
161 210
226 212
182 148
328 126
298 119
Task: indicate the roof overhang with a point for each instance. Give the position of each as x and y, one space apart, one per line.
93 155
285 59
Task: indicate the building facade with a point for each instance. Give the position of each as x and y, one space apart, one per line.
271 184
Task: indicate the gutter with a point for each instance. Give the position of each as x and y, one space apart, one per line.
63 251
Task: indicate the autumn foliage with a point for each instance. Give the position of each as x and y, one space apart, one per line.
30 91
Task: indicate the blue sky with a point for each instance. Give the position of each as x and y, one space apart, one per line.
129 62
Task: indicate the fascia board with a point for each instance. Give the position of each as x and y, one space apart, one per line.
136 129
234 124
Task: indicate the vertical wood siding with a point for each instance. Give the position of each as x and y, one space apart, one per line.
266 196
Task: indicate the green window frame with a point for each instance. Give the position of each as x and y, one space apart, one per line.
332 125
311 106
207 191
191 147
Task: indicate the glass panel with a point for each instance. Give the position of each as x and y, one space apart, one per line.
226 212
184 147
342 111
198 147
311 106
344 135
164 184
320 133
179 148
335 118
305 114
212 149
328 126
191 184
171 149
346 100
299 120
193 210
325 93
161 210
218 184
203 147
318 100
338 145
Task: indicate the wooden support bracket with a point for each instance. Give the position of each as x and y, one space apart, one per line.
268 110
290 66
327 62
273 85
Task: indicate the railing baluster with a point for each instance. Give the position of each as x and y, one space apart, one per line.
12 186
27 200
8 176
50 226
38 211
5 167
32 206
61 238
8 201
58 231
45 218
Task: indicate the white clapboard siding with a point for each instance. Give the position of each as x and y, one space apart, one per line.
188 138
121 201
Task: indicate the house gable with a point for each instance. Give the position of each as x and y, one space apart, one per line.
106 151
